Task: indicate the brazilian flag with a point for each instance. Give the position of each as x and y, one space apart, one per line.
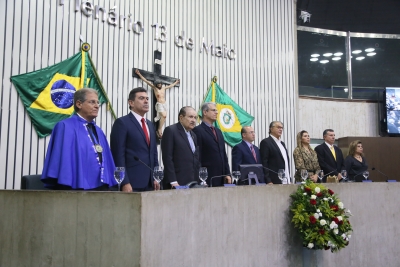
48 94
231 117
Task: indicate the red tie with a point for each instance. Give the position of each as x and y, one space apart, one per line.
145 131
253 152
214 132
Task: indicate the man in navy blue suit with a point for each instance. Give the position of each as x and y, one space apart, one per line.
245 152
133 139
212 146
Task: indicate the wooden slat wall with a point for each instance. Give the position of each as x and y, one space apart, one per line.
39 33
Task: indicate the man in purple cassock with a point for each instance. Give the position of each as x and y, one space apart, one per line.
78 156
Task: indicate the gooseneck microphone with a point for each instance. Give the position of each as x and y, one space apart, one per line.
290 178
211 179
373 168
137 159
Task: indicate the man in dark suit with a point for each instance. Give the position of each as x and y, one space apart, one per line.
179 150
245 152
212 146
330 157
134 136
274 155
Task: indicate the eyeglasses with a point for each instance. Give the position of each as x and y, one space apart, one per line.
213 110
92 102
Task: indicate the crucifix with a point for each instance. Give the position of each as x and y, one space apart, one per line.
159 83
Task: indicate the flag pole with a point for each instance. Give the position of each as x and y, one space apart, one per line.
109 106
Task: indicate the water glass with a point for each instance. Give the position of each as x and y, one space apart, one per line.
158 174
119 175
203 175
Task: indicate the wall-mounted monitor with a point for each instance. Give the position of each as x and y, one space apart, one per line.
392 100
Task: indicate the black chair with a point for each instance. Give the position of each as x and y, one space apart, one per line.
32 182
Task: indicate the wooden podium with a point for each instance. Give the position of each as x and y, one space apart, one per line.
383 153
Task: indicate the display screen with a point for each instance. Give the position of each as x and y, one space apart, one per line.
392 98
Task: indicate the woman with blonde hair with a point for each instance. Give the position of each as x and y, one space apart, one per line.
355 161
305 158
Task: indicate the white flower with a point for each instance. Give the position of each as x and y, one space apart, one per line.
325 199
344 236
349 212
317 190
320 214
303 182
349 236
339 218
333 225
318 210
313 197
316 215
336 231
322 222
340 204
310 245
329 243
305 194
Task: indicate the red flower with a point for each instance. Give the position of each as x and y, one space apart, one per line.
341 222
336 220
319 194
307 189
331 192
312 219
322 231
313 202
334 207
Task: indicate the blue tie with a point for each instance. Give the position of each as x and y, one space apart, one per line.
190 141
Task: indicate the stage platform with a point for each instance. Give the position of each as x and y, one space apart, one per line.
243 226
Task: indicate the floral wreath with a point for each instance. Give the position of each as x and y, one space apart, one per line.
320 217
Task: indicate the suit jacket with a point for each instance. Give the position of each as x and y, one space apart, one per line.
272 158
327 162
180 163
241 154
127 141
212 153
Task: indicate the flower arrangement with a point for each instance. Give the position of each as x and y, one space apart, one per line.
320 217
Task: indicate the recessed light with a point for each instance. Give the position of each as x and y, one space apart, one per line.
338 54
315 55
369 49
314 59
327 54
324 61
336 58
360 58
356 52
371 54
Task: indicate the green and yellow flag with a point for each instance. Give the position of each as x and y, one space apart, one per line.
231 117
48 94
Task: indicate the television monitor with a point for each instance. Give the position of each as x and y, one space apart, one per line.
392 100
246 169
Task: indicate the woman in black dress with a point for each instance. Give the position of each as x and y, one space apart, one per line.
355 162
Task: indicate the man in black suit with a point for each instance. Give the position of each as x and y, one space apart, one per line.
179 150
245 152
274 155
134 136
330 157
212 146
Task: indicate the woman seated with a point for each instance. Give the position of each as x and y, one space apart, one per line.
305 158
355 162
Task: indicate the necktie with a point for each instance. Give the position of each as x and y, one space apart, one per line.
253 152
333 152
190 141
214 132
146 134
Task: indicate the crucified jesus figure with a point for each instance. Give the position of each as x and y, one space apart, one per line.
161 105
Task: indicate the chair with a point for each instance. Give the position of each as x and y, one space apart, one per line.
32 182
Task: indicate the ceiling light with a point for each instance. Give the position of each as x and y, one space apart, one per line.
336 58
371 54
313 59
328 54
369 49
356 51
360 58
338 54
346 90
324 61
315 55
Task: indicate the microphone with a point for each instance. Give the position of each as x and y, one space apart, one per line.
137 159
373 168
217 177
